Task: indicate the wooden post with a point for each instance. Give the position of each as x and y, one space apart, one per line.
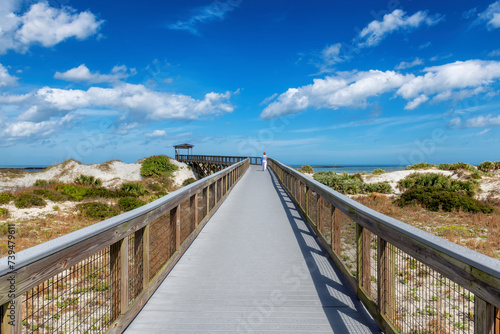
484 317
319 202
11 316
307 200
196 210
208 199
364 258
145 257
124 280
497 320
177 227
386 279
335 232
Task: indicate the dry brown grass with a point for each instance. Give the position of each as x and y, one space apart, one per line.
477 231
33 232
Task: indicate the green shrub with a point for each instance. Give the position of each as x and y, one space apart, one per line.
5 198
378 171
101 192
380 187
29 200
188 181
420 165
457 166
44 183
307 169
350 184
156 166
51 195
444 167
136 189
486 166
97 210
476 176
74 192
4 212
420 180
88 180
435 198
129 203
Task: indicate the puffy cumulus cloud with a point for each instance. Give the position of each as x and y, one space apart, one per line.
137 100
5 78
333 92
376 31
404 64
491 16
83 74
215 11
24 129
42 24
157 133
482 121
454 80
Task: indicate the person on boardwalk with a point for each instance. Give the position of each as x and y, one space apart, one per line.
264 161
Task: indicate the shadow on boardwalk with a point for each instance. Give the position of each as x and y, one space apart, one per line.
344 310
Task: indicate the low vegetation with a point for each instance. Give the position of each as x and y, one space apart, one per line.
89 181
307 169
4 213
420 165
5 198
156 166
436 198
351 184
134 189
129 203
420 180
188 181
28 201
458 166
378 171
97 210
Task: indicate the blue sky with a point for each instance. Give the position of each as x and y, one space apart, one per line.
317 82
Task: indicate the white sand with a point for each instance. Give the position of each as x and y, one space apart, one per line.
112 174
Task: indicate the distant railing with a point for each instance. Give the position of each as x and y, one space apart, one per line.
216 159
409 280
97 279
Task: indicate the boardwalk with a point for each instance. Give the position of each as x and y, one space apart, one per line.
255 267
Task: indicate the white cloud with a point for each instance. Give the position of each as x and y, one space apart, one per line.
348 90
494 53
453 81
461 78
491 16
268 99
5 78
404 64
485 131
482 121
42 24
376 31
157 133
83 74
136 100
215 11
24 129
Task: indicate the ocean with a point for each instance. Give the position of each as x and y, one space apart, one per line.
353 169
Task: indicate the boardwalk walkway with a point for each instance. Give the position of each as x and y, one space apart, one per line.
255 267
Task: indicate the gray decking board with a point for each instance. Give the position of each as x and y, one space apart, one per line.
255 267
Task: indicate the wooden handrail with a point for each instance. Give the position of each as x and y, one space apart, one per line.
106 245
475 272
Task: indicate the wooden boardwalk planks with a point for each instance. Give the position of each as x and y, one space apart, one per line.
255 267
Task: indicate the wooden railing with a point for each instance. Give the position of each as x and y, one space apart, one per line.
98 278
216 159
409 280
